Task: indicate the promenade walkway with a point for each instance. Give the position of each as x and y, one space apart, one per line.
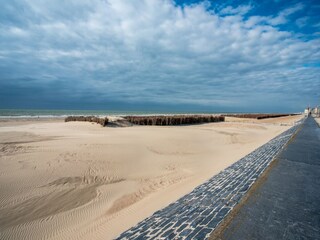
286 204
197 214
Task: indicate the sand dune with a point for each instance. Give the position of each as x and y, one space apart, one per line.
79 180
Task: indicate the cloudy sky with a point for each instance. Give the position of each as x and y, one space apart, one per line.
160 55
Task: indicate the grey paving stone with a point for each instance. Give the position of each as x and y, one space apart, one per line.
185 233
203 233
286 205
198 213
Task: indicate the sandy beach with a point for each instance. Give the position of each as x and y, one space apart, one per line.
78 180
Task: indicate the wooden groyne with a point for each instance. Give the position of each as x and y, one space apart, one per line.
102 121
166 120
173 120
257 116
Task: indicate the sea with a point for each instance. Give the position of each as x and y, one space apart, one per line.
49 113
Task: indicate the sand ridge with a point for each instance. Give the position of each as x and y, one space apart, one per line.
82 181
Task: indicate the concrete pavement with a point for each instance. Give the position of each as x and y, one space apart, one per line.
286 202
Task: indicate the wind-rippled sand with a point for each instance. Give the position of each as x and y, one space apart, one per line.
78 180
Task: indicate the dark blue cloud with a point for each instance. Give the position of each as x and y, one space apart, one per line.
187 55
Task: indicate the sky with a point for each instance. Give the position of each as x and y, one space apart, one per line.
222 55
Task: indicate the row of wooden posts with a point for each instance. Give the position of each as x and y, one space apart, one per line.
153 120
257 115
163 120
173 120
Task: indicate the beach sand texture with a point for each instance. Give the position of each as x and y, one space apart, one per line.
78 180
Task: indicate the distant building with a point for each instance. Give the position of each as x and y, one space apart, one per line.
307 111
316 111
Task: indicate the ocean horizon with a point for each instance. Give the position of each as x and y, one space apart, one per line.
57 113
60 113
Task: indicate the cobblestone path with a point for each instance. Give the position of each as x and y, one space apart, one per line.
198 213
285 205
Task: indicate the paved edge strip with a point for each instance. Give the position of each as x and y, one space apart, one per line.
197 214
215 235
273 220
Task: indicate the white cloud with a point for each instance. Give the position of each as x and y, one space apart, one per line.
153 50
240 10
292 10
301 22
280 19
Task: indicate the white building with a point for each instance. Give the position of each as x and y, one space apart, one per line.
307 111
316 111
